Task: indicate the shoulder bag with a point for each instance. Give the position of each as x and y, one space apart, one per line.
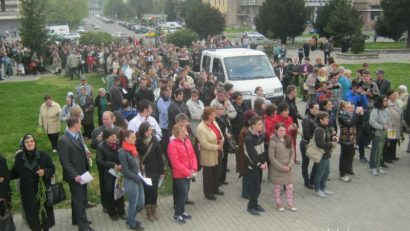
314 152
6 220
55 193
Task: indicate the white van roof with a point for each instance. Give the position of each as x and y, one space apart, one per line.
232 52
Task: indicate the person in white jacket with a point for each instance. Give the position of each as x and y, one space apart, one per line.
196 108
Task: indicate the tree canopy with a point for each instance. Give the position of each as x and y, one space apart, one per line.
32 29
394 21
205 20
66 12
282 19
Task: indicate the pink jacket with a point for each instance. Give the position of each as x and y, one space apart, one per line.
182 157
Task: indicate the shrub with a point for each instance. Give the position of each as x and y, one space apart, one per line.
96 38
358 41
183 37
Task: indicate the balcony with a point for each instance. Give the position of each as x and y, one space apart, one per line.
250 2
9 15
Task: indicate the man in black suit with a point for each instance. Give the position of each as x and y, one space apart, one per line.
382 84
74 161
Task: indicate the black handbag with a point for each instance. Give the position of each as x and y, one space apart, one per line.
55 193
6 218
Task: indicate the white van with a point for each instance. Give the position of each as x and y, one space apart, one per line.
245 69
58 30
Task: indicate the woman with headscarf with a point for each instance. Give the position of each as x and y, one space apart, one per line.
107 158
30 165
70 104
49 120
86 103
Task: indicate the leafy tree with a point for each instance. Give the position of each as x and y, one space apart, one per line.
282 19
66 12
205 20
96 38
183 37
383 28
358 41
170 10
32 29
395 16
322 18
350 25
188 5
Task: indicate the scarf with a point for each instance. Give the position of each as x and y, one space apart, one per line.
130 148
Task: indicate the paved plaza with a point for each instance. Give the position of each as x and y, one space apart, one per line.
366 203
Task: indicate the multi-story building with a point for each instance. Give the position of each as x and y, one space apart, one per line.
9 17
369 10
95 7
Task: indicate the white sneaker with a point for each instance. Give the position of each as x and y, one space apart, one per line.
374 172
321 194
54 150
381 171
345 178
327 192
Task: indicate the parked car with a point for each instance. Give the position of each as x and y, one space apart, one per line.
141 30
96 27
80 30
255 35
72 36
120 34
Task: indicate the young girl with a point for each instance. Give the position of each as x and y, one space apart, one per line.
281 162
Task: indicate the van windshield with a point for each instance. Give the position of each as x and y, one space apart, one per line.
248 67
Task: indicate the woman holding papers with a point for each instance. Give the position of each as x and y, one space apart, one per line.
30 165
130 166
152 165
107 161
184 167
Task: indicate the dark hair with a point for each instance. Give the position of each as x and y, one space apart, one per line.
288 140
270 109
283 107
180 117
220 90
247 116
365 72
228 86
46 97
144 127
323 104
257 106
321 115
355 84
290 88
71 121
143 104
333 74
236 95
178 91
378 103
124 134
207 112
308 59
194 92
331 60
125 103
25 137
257 89
107 132
119 120
312 105
254 120
389 92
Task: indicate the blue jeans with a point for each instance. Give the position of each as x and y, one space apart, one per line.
135 193
321 175
183 189
376 153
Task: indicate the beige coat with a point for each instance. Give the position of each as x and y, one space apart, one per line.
208 144
49 118
279 157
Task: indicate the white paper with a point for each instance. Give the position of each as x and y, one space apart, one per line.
161 179
124 91
86 178
147 181
114 173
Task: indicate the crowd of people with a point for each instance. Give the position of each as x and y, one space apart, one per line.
155 111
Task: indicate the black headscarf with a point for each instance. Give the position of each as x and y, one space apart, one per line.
30 158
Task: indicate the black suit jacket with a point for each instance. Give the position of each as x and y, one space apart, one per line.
106 158
73 157
383 85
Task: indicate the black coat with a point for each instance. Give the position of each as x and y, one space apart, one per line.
140 94
174 109
5 191
154 163
406 114
293 110
383 85
26 172
73 157
97 103
237 122
106 158
225 127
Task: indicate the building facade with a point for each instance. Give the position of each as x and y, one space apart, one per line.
9 16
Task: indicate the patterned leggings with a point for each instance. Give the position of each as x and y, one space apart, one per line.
289 193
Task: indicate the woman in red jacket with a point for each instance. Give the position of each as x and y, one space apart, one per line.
270 113
184 167
291 127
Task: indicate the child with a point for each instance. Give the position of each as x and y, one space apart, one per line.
281 156
256 162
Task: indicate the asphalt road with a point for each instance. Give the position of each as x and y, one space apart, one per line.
107 27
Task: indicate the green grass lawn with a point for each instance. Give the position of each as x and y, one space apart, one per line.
237 30
384 45
396 73
19 115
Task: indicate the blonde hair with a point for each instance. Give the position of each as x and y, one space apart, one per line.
176 130
75 112
347 73
323 71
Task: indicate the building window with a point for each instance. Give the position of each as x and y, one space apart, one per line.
374 15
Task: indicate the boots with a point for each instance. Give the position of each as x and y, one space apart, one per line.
149 213
154 212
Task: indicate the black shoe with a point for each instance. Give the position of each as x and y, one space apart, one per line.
219 193
186 216
224 183
253 212
363 159
179 220
114 218
384 166
388 161
123 216
309 186
228 170
210 197
105 210
189 202
137 227
260 209
90 205
245 197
